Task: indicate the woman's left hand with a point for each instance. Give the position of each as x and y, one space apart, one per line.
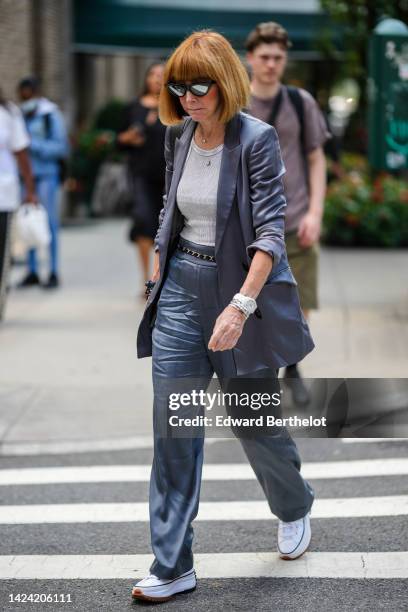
227 329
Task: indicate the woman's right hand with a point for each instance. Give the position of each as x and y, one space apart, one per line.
132 137
31 198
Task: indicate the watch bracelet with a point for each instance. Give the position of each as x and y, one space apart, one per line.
239 306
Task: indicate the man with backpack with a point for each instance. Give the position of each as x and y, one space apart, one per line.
48 151
302 133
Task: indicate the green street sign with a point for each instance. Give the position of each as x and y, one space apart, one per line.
388 96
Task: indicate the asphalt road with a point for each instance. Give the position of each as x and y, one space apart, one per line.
339 535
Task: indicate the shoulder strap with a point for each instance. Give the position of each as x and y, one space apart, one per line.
275 108
296 100
47 125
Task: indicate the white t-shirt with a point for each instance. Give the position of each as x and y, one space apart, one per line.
13 138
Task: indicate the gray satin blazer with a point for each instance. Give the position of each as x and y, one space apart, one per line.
250 216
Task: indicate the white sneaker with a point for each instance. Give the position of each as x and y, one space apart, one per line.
152 588
294 537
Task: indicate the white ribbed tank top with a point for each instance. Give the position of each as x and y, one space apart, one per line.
197 193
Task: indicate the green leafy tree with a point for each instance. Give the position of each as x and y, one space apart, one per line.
356 20
344 44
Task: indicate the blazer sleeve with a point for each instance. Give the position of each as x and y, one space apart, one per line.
168 156
267 198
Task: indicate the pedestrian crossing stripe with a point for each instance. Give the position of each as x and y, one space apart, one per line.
390 505
61 447
120 444
340 565
371 440
225 471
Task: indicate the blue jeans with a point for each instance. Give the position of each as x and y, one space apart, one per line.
187 308
47 191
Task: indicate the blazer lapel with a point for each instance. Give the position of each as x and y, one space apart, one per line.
231 155
181 147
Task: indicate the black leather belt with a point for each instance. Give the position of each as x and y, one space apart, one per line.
203 256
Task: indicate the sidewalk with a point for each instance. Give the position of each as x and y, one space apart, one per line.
69 375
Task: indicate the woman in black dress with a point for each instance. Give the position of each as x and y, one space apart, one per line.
142 136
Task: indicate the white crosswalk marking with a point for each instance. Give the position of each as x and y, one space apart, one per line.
391 505
371 440
128 443
77 446
225 565
250 563
222 471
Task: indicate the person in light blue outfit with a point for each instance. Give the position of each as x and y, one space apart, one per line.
48 148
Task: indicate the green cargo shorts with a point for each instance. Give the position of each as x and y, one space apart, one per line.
304 265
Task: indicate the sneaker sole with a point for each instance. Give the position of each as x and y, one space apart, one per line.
185 581
141 595
287 558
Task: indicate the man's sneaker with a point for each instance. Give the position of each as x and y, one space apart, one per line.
294 537
52 282
294 381
29 281
152 588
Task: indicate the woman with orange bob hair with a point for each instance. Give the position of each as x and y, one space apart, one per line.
222 299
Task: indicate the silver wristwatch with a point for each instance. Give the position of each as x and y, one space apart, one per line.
245 304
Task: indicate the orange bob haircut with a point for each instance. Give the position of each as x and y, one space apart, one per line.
205 54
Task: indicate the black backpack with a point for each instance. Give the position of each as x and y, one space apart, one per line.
297 103
296 100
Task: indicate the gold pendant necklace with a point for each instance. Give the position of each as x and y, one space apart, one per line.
203 140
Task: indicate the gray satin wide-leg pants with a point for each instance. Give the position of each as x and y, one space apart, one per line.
187 308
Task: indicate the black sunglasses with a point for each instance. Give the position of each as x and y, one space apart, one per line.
200 88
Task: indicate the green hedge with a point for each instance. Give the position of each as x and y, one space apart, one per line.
365 211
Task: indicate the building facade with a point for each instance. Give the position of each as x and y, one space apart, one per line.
88 52
36 38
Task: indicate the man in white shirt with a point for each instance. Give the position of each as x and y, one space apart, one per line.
14 143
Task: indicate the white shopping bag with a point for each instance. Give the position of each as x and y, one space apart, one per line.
32 227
